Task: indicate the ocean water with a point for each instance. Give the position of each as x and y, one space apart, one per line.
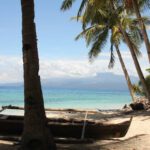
69 98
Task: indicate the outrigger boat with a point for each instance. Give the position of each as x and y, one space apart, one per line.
67 128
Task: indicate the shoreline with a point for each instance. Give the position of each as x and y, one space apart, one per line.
118 107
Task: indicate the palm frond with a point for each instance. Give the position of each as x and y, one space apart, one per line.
88 14
145 19
83 3
94 13
135 46
90 33
66 4
137 89
136 39
144 4
98 44
148 70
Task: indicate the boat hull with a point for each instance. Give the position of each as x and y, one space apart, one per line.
13 125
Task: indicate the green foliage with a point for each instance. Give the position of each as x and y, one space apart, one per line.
98 19
138 89
99 42
67 4
148 70
109 21
83 4
128 5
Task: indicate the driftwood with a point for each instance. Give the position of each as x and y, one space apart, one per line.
13 125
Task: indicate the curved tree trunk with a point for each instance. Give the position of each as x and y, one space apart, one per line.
35 136
125 73
138 68
142 25
136 63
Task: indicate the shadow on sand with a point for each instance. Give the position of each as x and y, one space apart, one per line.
130 143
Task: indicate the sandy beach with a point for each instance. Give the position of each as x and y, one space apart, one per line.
137 137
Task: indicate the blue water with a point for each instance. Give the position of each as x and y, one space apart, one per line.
69 98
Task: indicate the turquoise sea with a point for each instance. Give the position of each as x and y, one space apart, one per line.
69 98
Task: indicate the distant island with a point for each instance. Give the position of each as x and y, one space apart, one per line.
102 81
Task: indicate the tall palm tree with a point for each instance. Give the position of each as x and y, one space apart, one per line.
116 9
136 62
91 12
135 4
35 134
132 50
115 39
125 73
97 35
137 65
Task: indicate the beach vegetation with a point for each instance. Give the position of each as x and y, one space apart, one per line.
115 38
138 89
103 16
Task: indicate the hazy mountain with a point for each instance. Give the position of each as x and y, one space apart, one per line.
102 81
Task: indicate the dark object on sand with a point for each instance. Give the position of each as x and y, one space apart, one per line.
125 106
13 125
137 106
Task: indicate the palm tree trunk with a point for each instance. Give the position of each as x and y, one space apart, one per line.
35 135
136 63
125 73
138 68
142 25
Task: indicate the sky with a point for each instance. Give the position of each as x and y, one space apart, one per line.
60 55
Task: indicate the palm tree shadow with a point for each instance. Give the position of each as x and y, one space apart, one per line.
97 145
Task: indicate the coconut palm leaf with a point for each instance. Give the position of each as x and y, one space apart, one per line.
67 4
83 4
137 89
98 43
90 33
148 70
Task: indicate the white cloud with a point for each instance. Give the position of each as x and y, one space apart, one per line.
11 67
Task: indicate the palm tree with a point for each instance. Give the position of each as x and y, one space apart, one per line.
125 73
116 10
132 51
134 57
91 14
135 4
35 135
97 35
